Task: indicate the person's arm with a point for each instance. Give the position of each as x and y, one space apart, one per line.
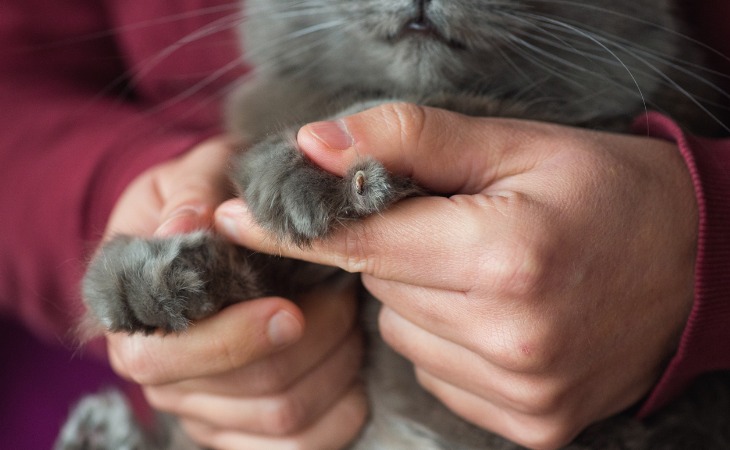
68 148
704 344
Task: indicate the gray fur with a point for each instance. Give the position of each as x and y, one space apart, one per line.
299 202
593 63
139 285
103 421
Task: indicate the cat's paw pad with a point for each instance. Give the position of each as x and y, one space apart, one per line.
136 284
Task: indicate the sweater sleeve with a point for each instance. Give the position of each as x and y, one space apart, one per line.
705 343
69 145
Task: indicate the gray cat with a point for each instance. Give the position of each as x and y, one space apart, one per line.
591 63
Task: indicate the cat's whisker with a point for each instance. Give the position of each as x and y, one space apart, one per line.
148 65
300 10
654 72
632 18
217 26
196 88
693 98
516 67
295 35
295 50
229 21
562 45
686 68
521 47
562 74
616 59
157 21
315 28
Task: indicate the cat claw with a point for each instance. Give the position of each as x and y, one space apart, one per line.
359 182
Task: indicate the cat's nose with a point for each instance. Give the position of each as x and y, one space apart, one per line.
420 23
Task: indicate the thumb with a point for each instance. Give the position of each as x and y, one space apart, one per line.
443 151
192 187
234 337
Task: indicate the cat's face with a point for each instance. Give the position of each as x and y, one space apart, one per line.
567 51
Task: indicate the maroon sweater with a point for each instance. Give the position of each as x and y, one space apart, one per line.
72 137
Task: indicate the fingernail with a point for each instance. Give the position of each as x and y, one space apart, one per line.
228 216
284 329
233 208
182 220
227 226
332 134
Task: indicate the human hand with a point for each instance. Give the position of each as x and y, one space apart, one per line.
546 291
177 196
253 376
260 374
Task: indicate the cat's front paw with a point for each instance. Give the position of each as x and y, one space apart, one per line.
136 284
102 421
299 202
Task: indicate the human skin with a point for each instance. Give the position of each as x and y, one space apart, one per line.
546 285
250 376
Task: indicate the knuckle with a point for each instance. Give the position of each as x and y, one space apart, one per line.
546 434
389 334
284 416
296 444
426 381
519 264
409 118
538 397
530 347
199 433
518 270
393 334
269 378
354 256
159 400
137 364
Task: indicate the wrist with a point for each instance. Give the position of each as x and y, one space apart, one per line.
698 352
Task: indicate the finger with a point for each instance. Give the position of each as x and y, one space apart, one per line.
450 315
198 185
187 216
532 431
330 314
236 336
279 415
443 151
465 369
456 243
338 427
510 333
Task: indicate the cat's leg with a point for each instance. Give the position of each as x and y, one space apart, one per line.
135 284
298 202
106 421
102 421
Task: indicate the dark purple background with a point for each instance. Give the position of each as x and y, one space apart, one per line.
38 384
